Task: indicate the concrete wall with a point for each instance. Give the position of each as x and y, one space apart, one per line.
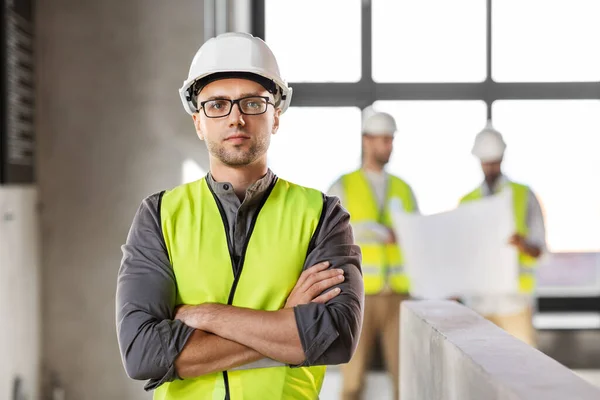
111 131
450 352
19 292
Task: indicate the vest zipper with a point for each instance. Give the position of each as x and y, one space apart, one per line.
237 272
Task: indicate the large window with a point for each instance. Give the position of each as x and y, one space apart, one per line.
553 146
546 40
315 145
442 68
315 40
429 41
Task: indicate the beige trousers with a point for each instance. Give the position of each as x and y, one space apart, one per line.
382 316
519 324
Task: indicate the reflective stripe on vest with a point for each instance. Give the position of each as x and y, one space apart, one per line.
381 264
526 263
197 239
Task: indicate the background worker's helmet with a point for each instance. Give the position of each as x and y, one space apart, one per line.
377 123
489 145
234 55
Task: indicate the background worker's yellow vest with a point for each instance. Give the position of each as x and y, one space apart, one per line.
381 264
198 244
527 263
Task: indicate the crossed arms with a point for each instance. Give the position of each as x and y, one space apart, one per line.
160 343
227 337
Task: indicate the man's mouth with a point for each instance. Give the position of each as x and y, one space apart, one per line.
237 138
237 135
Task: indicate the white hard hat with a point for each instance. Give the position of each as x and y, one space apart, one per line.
489 145
234 55
377 123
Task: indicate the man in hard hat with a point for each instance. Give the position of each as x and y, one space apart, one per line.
513 312
240 285
367 193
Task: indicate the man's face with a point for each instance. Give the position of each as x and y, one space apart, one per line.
491 170
378 148
237 139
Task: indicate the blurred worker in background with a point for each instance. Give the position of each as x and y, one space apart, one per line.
512 313
240 285
367 194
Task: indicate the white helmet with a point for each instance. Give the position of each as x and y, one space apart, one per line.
378 123
489 145
232 55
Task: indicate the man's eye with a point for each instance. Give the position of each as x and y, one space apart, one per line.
216 105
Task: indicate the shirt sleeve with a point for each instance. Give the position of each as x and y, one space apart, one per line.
329 332
149 339
535 222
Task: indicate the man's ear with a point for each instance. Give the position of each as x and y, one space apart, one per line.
196 118
276 116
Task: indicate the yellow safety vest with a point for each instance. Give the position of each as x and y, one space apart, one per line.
381 264
527 263
196 235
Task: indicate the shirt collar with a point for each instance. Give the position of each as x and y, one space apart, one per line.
256 189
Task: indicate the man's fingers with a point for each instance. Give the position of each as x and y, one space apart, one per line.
309 271
325 284
317 267
320 276
305 275
325 297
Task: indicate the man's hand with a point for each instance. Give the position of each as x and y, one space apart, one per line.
192 316
313 282
520 243
391 237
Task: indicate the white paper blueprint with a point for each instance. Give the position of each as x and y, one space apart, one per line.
460 252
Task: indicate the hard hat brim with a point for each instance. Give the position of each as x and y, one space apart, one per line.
190 108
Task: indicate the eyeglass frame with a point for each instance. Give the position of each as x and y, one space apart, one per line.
233 103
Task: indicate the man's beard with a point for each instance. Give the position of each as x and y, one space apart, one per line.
237 156
492 178
382 160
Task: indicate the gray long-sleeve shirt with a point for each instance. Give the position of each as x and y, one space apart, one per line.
150 340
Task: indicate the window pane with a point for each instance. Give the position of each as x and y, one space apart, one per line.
429 40
315 40
315 145
545 41
432 149
553 146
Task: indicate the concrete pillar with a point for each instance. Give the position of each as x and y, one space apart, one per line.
111 131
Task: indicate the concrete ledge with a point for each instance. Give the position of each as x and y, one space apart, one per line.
450 352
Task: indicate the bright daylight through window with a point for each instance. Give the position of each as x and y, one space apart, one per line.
429 40
545 41
312 46
315 145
